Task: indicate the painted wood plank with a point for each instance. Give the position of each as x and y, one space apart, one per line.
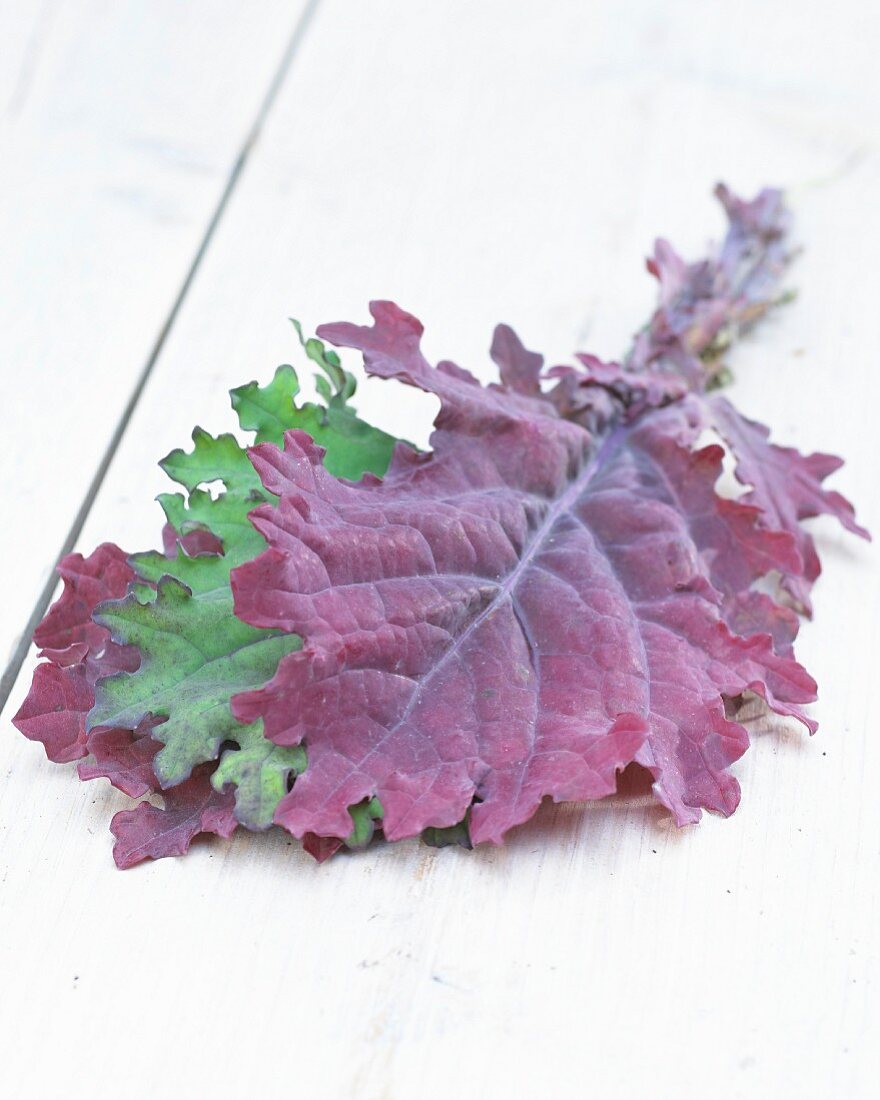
119 127
479 162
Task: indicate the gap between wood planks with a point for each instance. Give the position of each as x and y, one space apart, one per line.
24 643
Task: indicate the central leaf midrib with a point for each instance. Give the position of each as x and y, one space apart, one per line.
562 505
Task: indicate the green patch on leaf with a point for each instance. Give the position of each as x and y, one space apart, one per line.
455 834
260 771
194 657
268 411
353 447
364 816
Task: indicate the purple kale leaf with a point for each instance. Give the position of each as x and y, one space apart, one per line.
557 590
519 614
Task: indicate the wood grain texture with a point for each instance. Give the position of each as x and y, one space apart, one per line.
482 162
119 126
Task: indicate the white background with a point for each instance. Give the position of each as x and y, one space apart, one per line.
477 161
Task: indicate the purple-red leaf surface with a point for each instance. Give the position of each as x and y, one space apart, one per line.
519 614
193 807
78 652
125 757
786 487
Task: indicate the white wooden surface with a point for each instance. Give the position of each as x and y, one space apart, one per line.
479 162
